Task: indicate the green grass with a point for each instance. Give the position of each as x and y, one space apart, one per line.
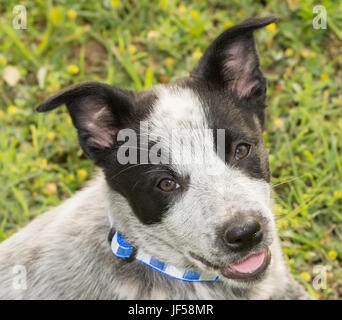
135 44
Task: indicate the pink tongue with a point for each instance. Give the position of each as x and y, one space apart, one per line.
251 264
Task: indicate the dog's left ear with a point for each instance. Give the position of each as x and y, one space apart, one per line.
231 62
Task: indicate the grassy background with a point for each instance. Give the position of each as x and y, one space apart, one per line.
135 44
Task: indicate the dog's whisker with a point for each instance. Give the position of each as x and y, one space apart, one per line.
288 181
143 135
136 148
131 167
161 170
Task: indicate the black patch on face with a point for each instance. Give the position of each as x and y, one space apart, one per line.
138 183
237 118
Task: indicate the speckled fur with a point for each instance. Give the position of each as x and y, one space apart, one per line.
65 251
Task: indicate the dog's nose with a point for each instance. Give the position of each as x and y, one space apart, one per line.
243 237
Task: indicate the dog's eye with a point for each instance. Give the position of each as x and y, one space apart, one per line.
242 151
168 185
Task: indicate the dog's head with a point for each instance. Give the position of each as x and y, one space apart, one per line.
189 158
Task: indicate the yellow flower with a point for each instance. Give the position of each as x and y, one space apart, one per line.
115 3
306 276
169 61
271 27
194 14
197 54
44 163
72 14
282 224
338 194
50 188
164 4
278 209
332 254
3 60
73 69
304 213
132 48
12 109
294 223
56 15
51 136
181 8
279 124
70 178
227 24
82 175
289 52
324 77
51 115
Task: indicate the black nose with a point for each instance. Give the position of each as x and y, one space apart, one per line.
244 237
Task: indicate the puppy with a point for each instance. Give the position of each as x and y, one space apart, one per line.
183 192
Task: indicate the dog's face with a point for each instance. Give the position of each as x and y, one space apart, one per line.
154 149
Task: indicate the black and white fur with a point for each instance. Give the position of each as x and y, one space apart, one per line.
65 251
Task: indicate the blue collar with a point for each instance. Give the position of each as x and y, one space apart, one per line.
121 249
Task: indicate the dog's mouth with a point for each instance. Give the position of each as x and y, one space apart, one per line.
249 269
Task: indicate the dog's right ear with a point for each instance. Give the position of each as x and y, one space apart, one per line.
98 111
